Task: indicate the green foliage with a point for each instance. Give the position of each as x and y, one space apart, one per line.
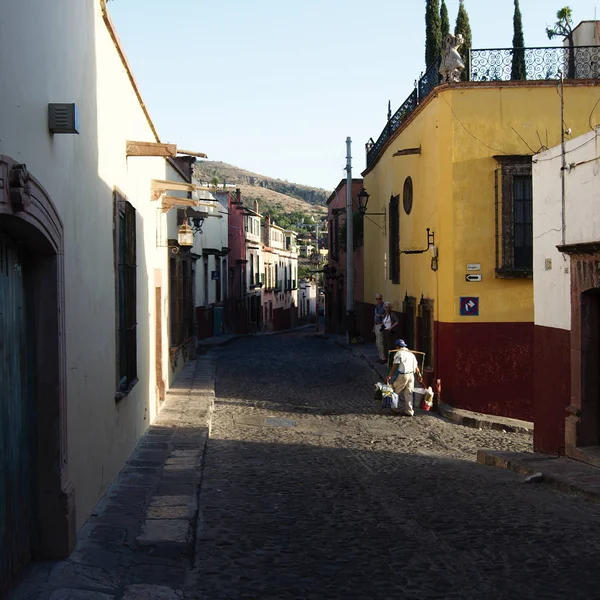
304 272
282 216
445 22
464 28
519 71
357 232
433 32
564 28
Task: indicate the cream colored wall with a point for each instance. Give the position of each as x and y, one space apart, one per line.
66 55
552 282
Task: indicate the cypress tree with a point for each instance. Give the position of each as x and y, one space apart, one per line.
433 32
445 20
518 61
464 28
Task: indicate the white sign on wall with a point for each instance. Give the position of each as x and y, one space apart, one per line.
474 267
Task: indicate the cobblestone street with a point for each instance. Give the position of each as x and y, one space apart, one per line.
310 490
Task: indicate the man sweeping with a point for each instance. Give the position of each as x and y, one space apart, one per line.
406 365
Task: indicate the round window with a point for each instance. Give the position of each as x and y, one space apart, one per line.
407 195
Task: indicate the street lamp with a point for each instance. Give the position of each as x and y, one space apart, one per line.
197 224
363 200
185 235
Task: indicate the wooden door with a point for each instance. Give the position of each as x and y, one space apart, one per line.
17 420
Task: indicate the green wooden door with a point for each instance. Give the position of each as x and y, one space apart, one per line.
17 420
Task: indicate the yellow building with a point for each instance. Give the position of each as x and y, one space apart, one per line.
457 162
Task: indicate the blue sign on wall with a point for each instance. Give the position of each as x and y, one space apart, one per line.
469 306
215 275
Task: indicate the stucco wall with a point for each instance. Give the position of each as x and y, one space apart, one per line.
67 55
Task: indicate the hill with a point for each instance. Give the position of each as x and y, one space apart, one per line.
274 195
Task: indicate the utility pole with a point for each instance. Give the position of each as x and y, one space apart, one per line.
349 245
563 165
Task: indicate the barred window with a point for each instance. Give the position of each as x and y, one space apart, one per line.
514 217
394 239
126 292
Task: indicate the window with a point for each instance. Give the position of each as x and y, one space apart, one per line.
514 217
410 320
218 279
394 239
407 195
126 292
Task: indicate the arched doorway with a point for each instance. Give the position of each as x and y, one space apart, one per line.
37 505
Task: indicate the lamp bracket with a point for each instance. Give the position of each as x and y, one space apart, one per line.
430 243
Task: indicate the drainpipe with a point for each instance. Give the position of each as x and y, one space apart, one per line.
349 244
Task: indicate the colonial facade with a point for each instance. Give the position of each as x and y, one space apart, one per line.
567 299
280 292
451 173
335 278
88 202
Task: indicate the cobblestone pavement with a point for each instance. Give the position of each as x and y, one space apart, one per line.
311 491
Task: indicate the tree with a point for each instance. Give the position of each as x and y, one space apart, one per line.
215 182
433 32
564 27
445 21
464 28
519 71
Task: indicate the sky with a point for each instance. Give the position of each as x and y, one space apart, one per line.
276 86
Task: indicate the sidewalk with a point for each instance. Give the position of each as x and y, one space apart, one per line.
138 544
561 473
368 353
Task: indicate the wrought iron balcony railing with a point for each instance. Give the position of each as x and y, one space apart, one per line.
581 62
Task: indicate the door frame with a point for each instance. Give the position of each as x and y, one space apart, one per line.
29 216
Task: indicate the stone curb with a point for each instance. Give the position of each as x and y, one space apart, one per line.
482 421
562 474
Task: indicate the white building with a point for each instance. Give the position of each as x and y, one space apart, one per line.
566 256
280 293
86 314
210 222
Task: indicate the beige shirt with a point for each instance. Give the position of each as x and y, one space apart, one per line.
406 361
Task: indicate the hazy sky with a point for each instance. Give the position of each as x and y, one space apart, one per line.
276 86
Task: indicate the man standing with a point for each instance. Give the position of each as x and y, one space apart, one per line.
378 328
406 365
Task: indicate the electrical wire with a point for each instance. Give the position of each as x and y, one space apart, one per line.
592 127
471 134
567 152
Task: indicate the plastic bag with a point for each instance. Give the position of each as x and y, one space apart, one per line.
389 398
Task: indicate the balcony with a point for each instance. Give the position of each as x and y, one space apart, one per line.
541 64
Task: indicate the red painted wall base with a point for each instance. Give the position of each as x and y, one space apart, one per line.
552 388
487 367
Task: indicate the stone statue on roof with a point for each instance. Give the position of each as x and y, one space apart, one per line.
452 62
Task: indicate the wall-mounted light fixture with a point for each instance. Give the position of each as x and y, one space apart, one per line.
363 199
185 235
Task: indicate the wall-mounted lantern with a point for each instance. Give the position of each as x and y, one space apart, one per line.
185 235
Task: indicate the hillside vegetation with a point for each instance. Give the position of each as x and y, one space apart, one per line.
287 203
